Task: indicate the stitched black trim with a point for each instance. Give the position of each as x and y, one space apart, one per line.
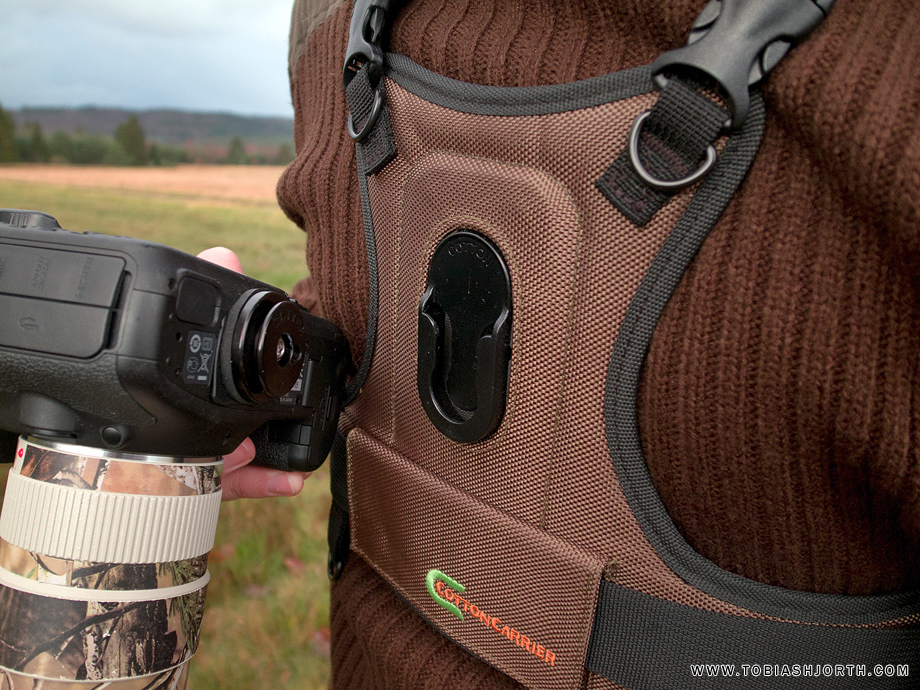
370 241
477 99
622 425
642 642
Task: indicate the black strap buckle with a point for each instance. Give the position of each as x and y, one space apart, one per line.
365 40
737 42
365 51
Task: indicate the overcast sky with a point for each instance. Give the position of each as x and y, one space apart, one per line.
212 55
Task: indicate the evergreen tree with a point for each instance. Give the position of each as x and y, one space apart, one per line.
284 156
154 156
236 154
115 154
38 146
61 147
89 149
130 135
8 153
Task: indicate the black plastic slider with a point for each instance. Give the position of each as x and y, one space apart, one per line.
365 39
365 54
737 42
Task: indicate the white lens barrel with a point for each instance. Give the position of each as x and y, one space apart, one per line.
103 566
65 522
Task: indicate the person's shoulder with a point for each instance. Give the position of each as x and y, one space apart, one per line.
306 17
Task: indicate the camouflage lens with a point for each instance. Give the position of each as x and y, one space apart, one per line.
103 566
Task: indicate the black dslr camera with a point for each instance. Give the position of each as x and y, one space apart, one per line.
126 370
130 346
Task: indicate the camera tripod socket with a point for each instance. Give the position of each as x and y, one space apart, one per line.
267 346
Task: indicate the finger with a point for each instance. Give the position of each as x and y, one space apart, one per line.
222 257
260 482
243 455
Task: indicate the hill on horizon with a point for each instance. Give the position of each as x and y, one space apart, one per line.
174 127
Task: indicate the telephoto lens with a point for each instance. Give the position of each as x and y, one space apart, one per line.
103 567
127 370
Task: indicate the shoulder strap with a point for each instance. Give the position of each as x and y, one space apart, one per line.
705 91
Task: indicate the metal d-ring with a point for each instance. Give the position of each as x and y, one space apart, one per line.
376 108
666 186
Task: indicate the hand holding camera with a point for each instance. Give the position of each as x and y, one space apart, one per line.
130 372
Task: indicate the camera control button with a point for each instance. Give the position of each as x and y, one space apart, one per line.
29 219
197 301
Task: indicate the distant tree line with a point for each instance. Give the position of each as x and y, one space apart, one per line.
128 146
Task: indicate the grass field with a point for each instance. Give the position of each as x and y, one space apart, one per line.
267 621
188 207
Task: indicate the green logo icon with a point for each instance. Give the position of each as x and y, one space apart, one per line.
437 584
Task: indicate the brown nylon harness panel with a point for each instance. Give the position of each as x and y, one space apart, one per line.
527 183
515 532
579 464
502 544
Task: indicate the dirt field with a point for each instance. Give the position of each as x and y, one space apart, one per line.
242 183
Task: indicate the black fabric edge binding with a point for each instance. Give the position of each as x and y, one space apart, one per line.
640 641
516 101
370 240
622 425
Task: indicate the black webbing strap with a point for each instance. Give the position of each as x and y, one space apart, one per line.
645 643
369 117
673 142
338 535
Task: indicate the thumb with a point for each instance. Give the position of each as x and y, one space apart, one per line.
222 257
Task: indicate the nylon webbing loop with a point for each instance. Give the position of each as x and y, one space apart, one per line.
642 642
369 120
672 146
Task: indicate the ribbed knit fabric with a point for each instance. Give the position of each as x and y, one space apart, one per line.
780 403
380 643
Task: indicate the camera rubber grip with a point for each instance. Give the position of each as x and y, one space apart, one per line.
277 449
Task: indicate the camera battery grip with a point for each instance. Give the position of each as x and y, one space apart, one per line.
122 344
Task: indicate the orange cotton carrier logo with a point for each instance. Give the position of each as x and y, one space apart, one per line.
446 593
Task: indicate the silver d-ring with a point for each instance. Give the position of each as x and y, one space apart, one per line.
371 119
666 186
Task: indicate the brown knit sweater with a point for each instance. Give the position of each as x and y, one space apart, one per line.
780 402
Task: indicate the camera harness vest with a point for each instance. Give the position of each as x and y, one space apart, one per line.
522 244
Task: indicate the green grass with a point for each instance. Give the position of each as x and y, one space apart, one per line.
267 618
270 247
267 622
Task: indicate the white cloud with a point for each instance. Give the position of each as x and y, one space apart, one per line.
197 54
178 18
